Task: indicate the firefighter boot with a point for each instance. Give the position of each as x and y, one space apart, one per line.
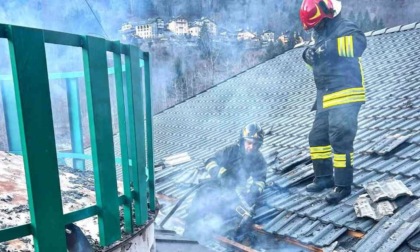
323 176
320 183
343 176
339 193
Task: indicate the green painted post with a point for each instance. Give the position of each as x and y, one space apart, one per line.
75 119
29 67
11 117
137 132
149 130
128 212
100 124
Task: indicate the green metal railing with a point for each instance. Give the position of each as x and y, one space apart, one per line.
30 84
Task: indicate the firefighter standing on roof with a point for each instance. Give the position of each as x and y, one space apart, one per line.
336 64
239 173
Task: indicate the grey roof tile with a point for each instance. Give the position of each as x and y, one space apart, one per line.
262 215
414 242
392 231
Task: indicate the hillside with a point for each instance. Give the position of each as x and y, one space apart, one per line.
392 12
274 15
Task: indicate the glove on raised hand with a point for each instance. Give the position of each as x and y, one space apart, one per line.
309 55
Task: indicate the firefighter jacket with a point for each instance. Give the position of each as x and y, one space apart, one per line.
336 64
234 168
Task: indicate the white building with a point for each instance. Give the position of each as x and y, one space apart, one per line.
267 36
245 35
195 31
144 31
179 26
211 26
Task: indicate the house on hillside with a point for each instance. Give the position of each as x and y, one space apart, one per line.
127 27
158 27
267 36
283 38
196 26
211 25
245 35
152 28
178 26
127 31
144 31
194 31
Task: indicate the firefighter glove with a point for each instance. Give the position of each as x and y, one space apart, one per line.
217 172
322 49
309 55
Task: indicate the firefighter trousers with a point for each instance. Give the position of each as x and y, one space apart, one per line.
331 143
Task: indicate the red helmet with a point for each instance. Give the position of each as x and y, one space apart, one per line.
313 11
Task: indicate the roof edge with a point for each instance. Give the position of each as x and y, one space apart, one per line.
398 28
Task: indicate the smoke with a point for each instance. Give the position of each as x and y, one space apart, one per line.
84 17
102 18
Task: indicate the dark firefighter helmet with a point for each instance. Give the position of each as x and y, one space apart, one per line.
252 131
312 12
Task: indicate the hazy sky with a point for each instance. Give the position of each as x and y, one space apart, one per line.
68 16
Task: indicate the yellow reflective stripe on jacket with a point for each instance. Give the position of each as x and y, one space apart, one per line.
345 96
222 170
345 46
341 47
349 46
339 161
320 152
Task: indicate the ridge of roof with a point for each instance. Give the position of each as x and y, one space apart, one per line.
398 28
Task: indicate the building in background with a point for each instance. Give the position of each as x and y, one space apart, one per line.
245 35
179 26
267 36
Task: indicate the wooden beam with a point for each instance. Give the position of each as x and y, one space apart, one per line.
260 229
234 244
355 234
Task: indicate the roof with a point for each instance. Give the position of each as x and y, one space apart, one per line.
279 94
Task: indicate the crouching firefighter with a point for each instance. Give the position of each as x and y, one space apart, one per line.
238 174
337 69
